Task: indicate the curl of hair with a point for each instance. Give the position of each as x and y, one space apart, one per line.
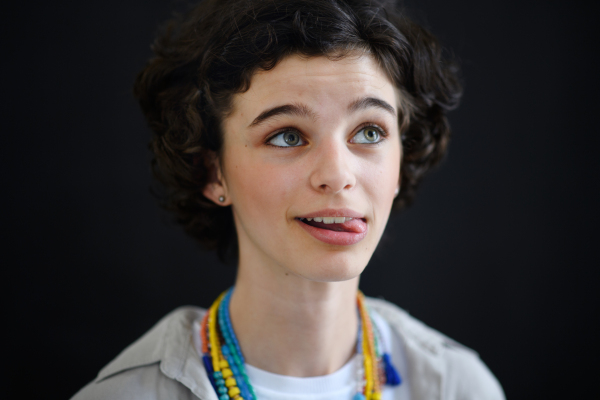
211 52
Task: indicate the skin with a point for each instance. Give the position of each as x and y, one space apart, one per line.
294 304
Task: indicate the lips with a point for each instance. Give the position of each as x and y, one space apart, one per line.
340 227
355 225
333 212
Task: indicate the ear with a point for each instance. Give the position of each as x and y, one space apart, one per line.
216 187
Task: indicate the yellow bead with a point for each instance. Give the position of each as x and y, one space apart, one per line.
227 373
230 382
233 391
223 364
376 396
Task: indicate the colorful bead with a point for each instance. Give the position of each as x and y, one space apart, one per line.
208 366
230 327
231 347
227 373
203 332
230 382
212 331
372 372
224 361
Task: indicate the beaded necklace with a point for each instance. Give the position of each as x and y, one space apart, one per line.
224 361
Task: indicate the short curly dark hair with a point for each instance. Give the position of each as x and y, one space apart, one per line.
211 52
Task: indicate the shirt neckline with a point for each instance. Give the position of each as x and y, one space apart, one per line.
337 381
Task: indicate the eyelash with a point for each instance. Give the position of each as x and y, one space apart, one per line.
382 131
279 132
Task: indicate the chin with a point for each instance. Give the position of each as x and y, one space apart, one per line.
336 269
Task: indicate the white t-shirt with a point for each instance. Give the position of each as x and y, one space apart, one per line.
340 385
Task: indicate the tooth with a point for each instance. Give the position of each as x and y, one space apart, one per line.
340 220
318 219
310 219
348 219
328 220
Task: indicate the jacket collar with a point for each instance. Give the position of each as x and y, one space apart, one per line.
170 344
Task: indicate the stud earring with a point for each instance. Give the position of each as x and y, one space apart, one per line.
396 192
221 198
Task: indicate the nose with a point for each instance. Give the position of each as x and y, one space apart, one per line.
332 168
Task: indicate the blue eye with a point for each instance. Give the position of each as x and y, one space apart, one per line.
286 139
367 135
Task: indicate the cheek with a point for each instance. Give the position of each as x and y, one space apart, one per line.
392 167
261 190
381 179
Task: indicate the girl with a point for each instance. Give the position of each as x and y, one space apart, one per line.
285 132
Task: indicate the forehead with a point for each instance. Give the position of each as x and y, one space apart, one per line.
315 81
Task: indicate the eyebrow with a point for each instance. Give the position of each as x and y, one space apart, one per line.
288 109
302 110
367 102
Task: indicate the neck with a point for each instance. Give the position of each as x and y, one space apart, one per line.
291 326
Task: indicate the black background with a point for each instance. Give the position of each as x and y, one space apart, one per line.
499 251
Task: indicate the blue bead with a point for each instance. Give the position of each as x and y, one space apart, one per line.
224 397
220 382
209 369
229 328
359 396
225 350
218 374
222 389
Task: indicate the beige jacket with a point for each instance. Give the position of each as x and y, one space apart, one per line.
164 364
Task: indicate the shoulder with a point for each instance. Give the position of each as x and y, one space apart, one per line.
458 369
467 376
153 366
142 382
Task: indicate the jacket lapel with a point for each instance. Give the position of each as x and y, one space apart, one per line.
425 367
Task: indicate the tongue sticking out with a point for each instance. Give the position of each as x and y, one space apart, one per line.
355 225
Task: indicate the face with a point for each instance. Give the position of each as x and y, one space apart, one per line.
310 166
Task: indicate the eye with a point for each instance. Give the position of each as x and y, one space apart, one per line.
369 135
286 139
